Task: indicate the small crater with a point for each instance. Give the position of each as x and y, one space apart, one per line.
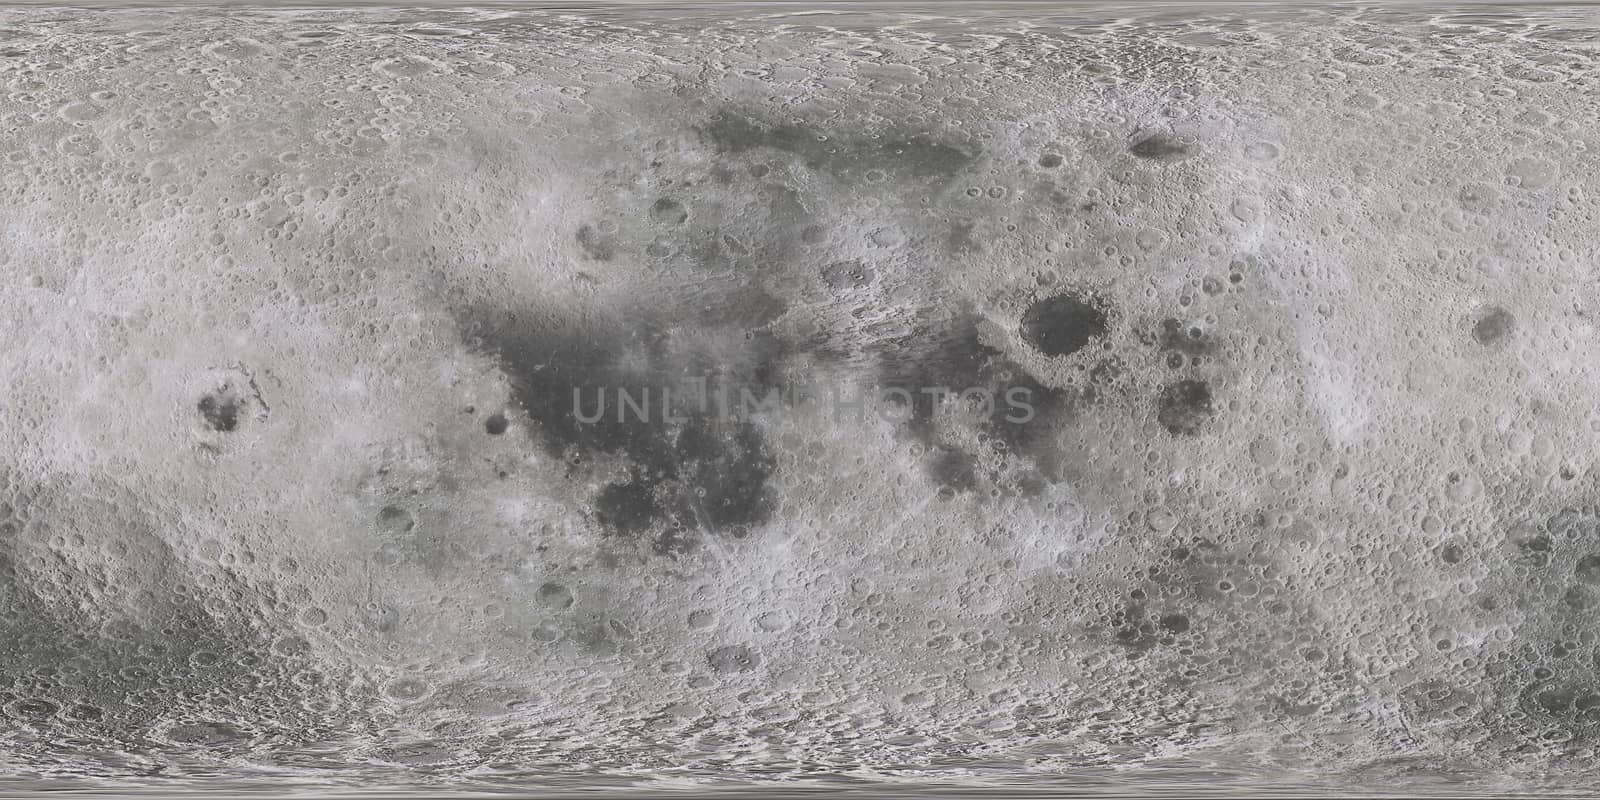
496 424
555 596
1452 553
34 708
380 618
733 658
407 689
395 520
667 211
84 712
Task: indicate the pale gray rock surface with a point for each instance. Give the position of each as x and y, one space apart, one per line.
295 303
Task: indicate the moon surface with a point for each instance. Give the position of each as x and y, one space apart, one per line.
628 396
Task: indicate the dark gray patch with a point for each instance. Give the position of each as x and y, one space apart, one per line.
1494 325
748 307
953 469
698 468
1452 553
1031 432
1133 629
629 508
547 363
1063 324
921 155
496 424
1555 699
951 355
1588 568
914 154
221 412
1049 161
735 133
595 244
232 400
780 227
962 238
1183 408
1158 147
726 474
